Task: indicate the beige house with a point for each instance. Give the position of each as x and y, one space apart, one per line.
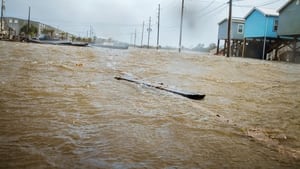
13 26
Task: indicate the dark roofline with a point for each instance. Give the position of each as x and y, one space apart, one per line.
234 19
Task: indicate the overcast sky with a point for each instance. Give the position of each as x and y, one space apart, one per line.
118 19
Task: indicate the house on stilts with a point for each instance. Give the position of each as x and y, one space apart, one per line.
289 31
260 37
237 36
265 34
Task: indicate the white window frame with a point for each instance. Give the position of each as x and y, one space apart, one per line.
238 28
275 25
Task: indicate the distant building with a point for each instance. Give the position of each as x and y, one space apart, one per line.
14 25
237 34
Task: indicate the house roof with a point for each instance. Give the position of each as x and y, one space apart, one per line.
264 11
285 5
234 19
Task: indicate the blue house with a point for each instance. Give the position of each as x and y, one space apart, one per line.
260 35
261 23
237 34
237 29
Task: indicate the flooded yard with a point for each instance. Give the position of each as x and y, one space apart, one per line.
62 108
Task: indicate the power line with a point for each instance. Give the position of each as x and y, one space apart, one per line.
213 10
259 5
210 4
268 3
171 5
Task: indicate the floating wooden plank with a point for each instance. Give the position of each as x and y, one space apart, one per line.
194 96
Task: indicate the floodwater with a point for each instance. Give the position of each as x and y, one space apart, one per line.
62 108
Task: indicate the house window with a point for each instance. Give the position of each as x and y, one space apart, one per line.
275 25
240 29
16 21
10 21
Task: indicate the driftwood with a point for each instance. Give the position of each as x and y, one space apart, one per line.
189 95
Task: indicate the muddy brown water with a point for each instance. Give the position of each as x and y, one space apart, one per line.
60 107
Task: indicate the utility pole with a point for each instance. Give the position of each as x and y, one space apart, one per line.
265 38
91 31
149 31
142 34
229 29
158 27
181 22
2 12
134 38
28 24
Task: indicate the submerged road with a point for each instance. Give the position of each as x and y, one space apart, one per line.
62 108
